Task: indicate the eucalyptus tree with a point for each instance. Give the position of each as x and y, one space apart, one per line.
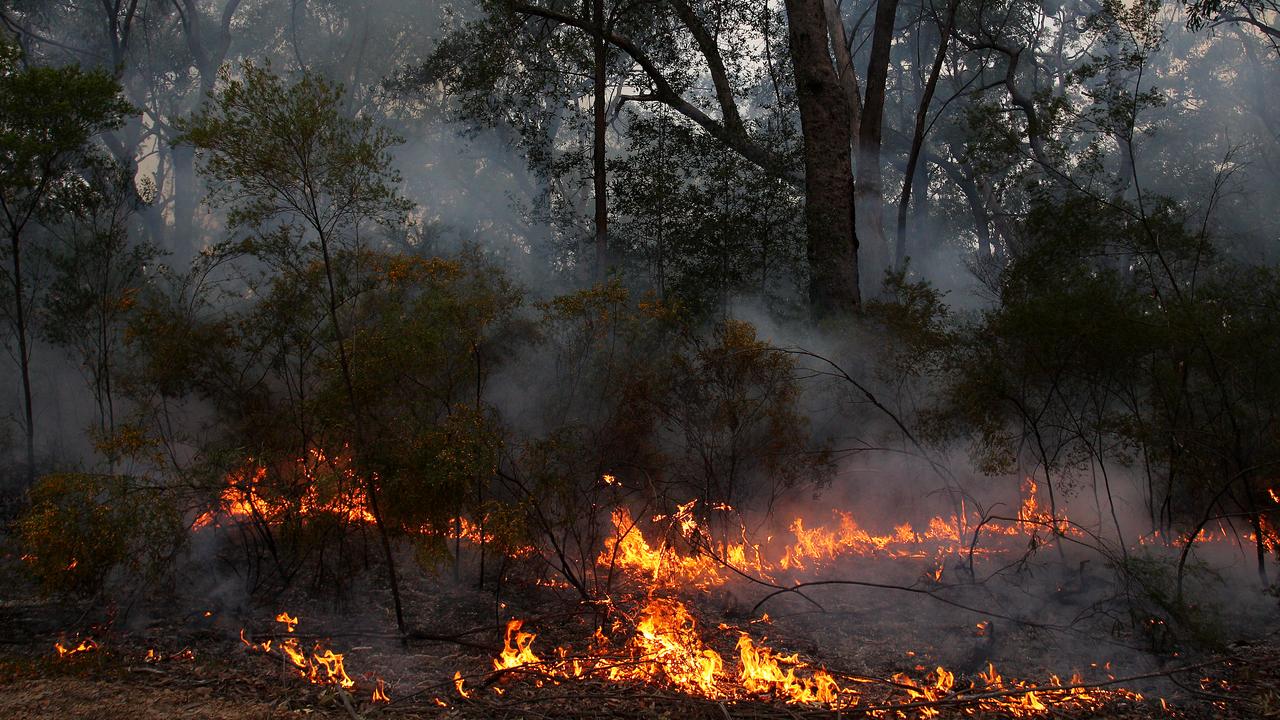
49 119
1259 16
714 66
98 269
303 179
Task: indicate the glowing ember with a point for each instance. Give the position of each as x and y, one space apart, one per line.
84 646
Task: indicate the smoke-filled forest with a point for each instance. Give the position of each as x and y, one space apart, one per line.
719 359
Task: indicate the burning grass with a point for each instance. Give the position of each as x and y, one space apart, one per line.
664 648
651 648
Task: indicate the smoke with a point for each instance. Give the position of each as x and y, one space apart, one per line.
1213 146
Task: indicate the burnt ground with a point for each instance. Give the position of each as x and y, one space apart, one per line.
199 668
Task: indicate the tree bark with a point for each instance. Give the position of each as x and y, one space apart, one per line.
828 173
869 195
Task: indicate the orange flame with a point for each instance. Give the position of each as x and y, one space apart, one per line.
516 651
84 646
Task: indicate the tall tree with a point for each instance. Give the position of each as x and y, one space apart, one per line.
945 26
651 37
828 173
98 269
304 178
869 193
49 118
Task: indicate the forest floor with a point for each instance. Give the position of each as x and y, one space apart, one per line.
193 664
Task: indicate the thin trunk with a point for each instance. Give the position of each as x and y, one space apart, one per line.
917 137
828 174
981 219
24 354
371 488
184 200
598 148
869 196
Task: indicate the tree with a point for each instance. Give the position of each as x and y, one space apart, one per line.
303 179
98 270
730 44
1258 15
48 120
828 170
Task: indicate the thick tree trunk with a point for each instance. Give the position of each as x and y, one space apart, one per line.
828 172
869 195
844 63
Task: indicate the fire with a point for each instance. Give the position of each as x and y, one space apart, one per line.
516 651
334 672
933 688
330 486
762 673
457 683
670 649
319 665
661 565
84 646
659 641
666 648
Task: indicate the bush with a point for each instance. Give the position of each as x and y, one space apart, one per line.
84 530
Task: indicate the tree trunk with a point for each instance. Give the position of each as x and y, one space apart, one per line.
24 356
370 485
183 243
828 172
917 137
598 149
869 195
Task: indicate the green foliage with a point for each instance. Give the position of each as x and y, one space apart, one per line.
1122 338
48 118
82 531
701 223
98 273
276 151
916 322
